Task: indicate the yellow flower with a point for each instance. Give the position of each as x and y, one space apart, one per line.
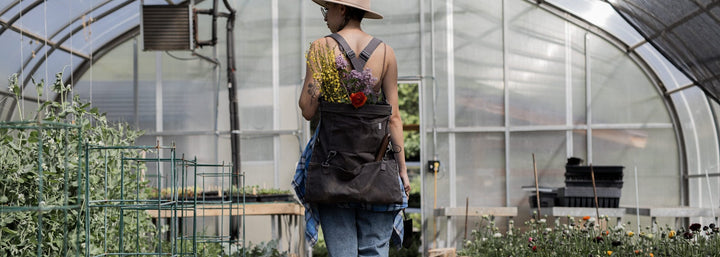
321 61
671 234
609 252
630 233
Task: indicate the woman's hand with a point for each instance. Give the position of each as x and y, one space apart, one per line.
406 182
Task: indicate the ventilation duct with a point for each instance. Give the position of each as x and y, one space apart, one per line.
167 27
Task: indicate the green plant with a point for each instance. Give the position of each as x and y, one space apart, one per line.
264 249
583 237
257 190
62 157
408 101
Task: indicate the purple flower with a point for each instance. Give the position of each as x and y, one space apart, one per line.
695 227
341 63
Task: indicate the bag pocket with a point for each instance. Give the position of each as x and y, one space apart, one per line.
353 134
373 182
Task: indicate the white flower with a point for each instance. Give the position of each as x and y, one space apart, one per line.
548 229
542 221
496 235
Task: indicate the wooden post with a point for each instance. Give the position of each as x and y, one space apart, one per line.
467 202
597 207
435 171
537 188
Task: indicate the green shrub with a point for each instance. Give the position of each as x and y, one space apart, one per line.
62 157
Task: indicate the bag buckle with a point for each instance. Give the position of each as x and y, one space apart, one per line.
331 154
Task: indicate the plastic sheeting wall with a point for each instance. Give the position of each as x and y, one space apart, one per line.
500 80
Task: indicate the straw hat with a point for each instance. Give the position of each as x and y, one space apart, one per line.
359 4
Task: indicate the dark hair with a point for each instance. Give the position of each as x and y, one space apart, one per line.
352 13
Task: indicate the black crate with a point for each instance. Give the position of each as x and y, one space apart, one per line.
547 199
602 173
598 183
589 192
577 201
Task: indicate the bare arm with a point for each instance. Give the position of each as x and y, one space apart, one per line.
390 88
311 91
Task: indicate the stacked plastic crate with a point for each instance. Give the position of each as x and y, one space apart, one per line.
578 191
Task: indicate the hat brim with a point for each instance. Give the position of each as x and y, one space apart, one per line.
369 14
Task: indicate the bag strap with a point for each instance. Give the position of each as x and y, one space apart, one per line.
357 63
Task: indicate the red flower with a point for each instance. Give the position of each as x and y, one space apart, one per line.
358 99
534 248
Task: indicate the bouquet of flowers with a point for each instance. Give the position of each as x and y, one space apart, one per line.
337 83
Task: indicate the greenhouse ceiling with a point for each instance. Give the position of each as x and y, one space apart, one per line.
45 36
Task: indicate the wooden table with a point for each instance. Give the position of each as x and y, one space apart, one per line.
673 212
276 210
214 210
559 212
450 212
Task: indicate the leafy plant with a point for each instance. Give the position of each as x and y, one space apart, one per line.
59 154
257 190
583 237
408 101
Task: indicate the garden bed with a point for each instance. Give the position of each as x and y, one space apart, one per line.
582 237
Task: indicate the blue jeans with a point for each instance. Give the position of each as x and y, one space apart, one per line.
356 232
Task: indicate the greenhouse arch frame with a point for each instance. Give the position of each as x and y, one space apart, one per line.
501 79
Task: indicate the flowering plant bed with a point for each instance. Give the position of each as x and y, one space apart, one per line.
583 237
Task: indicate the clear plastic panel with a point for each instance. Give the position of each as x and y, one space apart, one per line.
658 178
255 109
602 15
56 63
256 148
700 141
253 46
578 76
186 105
440 51
399 28
291 49
290 117
289 154
670 76
106 29
480 169
13 11
36 58
80 18
32 21
21 51
621 91
550 152
478 62
50 16
537 63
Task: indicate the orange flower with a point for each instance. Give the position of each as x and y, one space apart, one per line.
638 251
609 252
358 99
586 218
651 255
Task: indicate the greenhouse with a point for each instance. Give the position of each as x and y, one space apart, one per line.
531 127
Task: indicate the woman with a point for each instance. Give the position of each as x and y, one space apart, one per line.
358 229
